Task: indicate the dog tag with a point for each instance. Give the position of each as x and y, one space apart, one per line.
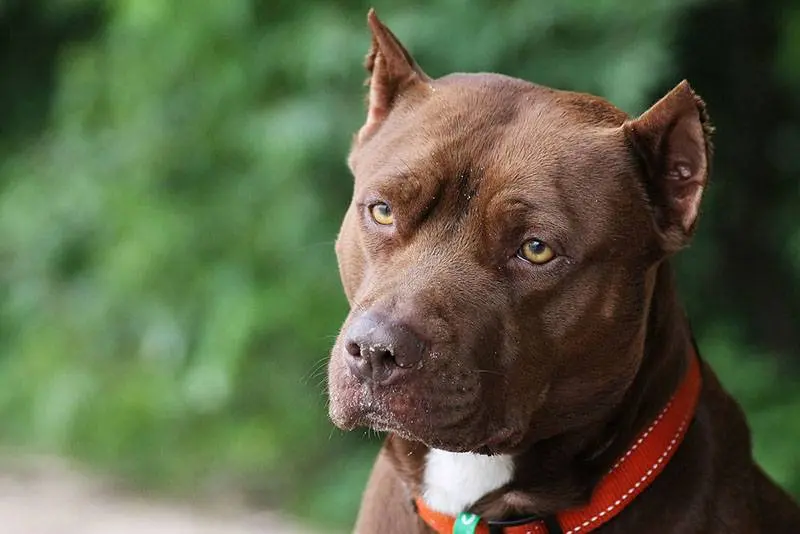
466 524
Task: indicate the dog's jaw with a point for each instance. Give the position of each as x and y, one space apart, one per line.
453 481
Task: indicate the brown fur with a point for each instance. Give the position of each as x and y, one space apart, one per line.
559 364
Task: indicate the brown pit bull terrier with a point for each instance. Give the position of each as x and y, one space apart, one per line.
515 326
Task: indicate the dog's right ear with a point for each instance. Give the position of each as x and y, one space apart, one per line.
392 71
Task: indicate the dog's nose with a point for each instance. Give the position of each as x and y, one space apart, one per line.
379 350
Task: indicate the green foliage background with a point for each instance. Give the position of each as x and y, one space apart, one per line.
171 180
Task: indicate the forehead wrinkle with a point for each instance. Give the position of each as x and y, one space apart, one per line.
517 210
521 135
543 171
453 135
452 149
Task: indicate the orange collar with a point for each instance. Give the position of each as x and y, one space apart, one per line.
630 475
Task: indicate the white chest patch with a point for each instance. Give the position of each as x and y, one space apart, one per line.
453 481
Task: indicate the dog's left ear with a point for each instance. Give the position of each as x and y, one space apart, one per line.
392 72
673 141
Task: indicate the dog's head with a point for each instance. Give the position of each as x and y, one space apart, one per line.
499 251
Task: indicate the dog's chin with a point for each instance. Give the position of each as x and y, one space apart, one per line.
470 436
360 410
500 443
457 421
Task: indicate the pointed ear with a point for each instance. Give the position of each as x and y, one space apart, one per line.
672 139
392 71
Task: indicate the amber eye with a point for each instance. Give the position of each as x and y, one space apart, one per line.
536 251
382 214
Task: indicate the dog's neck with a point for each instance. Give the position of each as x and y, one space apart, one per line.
560 472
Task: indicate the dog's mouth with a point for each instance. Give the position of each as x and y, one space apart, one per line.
457 424
444 402
499 442
380 409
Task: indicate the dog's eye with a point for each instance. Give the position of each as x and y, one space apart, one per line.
536 251
382 214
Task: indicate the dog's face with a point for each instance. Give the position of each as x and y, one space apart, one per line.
499 252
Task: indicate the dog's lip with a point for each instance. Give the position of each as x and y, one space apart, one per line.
378 422
500 442
368 406
368 412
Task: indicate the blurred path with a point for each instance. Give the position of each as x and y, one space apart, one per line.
46 498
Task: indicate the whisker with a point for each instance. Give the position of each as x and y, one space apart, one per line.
316 368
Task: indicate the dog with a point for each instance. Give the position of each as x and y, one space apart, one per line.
514 322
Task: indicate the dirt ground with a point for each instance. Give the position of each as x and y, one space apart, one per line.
46 497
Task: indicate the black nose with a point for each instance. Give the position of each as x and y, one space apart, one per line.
379 350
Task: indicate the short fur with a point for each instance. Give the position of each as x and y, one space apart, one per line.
557 365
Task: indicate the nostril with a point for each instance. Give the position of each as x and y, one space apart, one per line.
384 355
353 348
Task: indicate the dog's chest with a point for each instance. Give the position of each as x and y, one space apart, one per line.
453 481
